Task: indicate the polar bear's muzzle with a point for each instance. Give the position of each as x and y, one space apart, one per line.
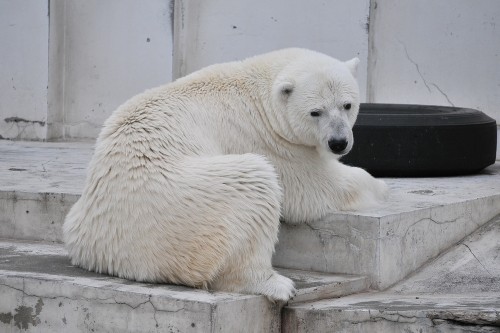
338 145
335 134
339 138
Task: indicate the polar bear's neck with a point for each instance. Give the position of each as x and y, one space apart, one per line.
233 105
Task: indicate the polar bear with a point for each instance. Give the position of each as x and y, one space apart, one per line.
189 180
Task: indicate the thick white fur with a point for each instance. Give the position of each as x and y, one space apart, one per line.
188 181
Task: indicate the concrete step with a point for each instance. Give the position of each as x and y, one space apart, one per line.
317 286
39 182
42 292
457 292
422 217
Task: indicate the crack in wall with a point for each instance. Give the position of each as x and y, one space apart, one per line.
333 234
416 66
468 318
426 83
477 259
391 316
323 247
23 316
323 235
443 93
328 232
430 219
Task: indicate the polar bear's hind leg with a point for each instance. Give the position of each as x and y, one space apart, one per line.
246 191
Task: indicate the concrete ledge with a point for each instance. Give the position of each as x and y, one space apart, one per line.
422 218
44 167
316 286
47 303
410 313
42 291
39 182
34 216
457 292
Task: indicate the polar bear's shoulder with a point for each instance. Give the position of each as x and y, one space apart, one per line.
269 62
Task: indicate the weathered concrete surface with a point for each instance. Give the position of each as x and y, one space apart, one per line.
457 292
395 314
42 291
312 286
37 216
39 182
471 266
44 167
421 218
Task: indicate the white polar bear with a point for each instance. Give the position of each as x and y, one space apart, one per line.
188 181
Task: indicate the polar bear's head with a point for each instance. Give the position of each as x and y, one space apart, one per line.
317 98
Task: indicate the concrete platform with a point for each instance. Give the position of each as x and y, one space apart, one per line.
422 217
39 182
42 292
457 292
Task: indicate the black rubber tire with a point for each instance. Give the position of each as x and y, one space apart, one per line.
397 140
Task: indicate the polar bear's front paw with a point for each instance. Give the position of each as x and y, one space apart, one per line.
277 288
367 191
374 194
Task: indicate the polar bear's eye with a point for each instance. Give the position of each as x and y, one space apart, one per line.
315 113
347 106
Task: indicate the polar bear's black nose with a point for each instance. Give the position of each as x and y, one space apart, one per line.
337 145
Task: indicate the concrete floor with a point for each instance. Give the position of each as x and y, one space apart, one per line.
457 291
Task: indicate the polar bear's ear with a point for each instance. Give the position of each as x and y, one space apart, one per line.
353 66
286 88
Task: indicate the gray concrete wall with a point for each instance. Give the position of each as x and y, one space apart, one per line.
66 65
24 27
104 52
436 52
214 31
